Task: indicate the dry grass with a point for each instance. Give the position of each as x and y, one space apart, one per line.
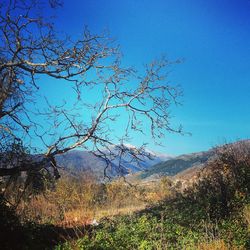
80 217
78 202
67 211
216 245
75 218
41 210
113 211
246 214
38 209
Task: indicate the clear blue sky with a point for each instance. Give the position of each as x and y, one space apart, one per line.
212 36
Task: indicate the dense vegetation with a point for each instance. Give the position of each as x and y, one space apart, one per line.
213 213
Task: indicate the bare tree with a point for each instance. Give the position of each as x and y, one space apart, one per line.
31 49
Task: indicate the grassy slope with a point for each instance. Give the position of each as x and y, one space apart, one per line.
178 164
178 224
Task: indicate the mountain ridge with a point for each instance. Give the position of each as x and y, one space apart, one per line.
80 160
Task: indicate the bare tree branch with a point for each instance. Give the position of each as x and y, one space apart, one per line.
30 48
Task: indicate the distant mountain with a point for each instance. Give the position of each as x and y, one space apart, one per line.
178 164
78 160
87 161
144 158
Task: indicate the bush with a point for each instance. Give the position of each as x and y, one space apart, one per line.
224 185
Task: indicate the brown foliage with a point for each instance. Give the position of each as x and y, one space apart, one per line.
224 183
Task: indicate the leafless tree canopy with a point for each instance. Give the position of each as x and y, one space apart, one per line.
31 50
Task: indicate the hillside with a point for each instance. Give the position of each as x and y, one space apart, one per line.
82 161
178 164
214 213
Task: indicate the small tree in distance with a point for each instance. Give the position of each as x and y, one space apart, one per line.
31 51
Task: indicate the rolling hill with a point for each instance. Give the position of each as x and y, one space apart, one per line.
177 165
